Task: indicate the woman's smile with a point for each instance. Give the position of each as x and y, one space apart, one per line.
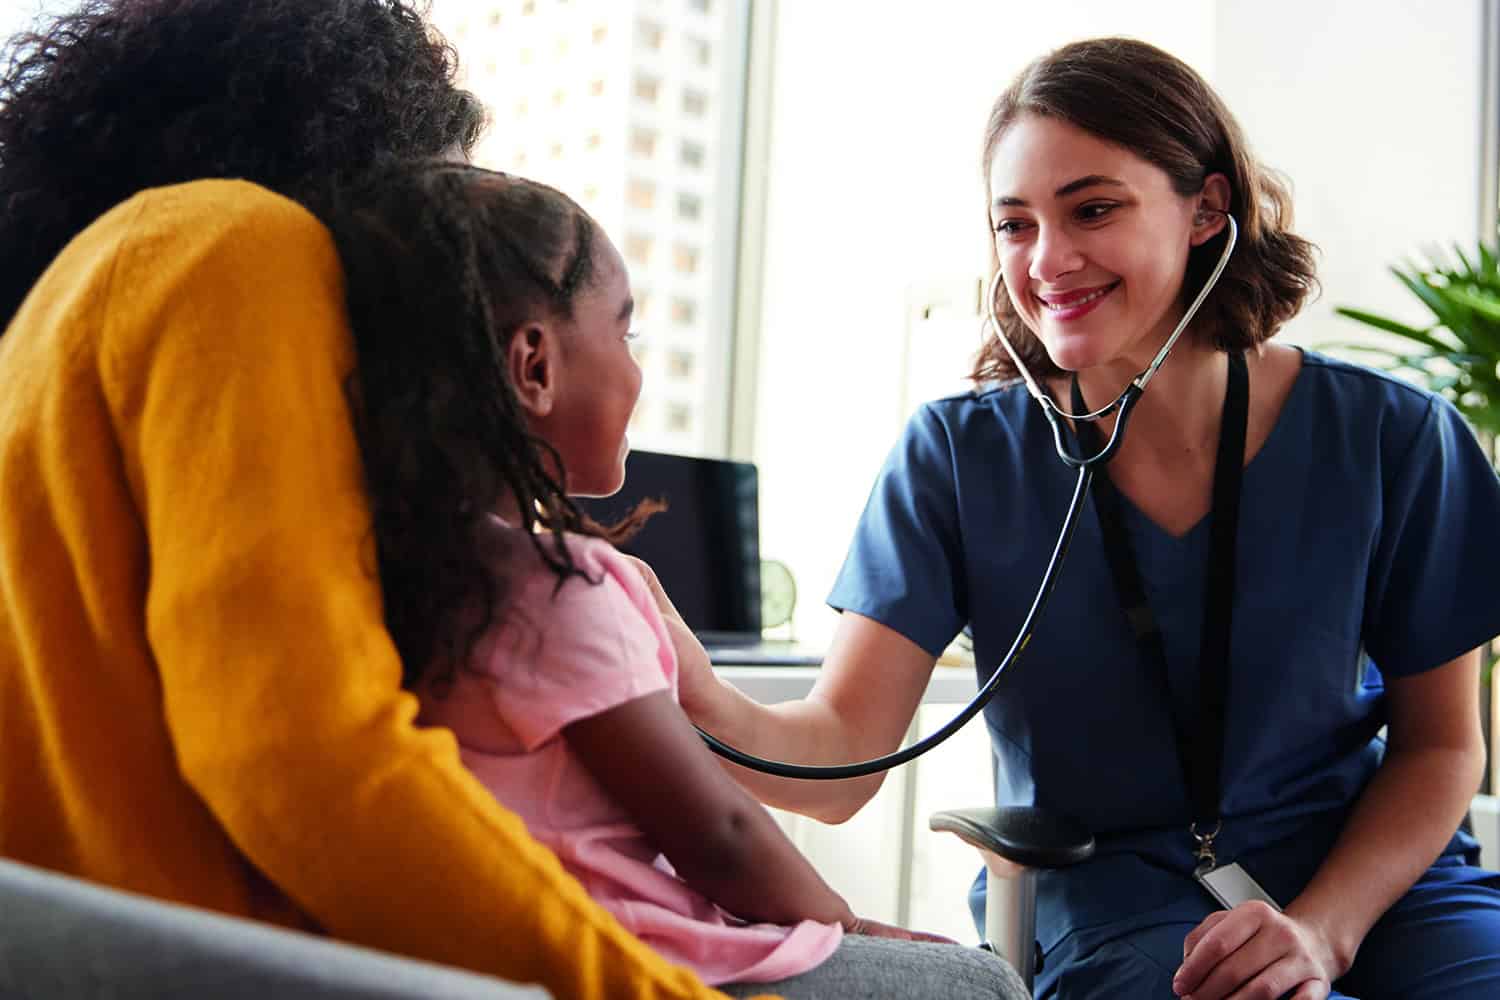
1075 303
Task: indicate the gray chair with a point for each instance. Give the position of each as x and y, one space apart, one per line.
1015 843
64 939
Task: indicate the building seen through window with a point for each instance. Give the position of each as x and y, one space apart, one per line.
620 104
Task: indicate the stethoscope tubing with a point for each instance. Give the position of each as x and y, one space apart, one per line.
981 698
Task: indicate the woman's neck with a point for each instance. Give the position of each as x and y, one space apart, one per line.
1181 409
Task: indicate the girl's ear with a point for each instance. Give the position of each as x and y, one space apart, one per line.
531 363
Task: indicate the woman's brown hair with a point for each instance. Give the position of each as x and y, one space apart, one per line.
1138 97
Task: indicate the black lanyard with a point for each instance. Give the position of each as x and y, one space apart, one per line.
1200 747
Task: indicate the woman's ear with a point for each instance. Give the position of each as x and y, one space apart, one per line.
1212 203
531 363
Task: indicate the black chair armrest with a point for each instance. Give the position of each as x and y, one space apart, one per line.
1023 835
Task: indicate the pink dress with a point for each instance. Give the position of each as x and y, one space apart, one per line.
564 657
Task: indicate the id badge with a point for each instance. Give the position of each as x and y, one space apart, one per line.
1231 885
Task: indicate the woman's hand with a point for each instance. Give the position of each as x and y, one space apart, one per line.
695 677
1254 951
874 928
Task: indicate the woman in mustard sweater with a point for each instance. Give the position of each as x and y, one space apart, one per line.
198 697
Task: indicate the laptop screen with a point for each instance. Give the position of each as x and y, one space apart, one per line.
705 547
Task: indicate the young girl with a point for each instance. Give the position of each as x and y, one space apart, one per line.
492 318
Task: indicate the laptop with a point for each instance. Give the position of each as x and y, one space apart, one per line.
705 549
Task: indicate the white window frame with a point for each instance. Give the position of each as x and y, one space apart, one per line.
740 311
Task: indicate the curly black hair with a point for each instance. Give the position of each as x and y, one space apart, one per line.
121 95
443 264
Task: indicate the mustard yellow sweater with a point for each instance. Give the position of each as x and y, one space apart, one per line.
198 699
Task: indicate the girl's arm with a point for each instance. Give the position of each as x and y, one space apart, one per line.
866 695
648 758
1433 763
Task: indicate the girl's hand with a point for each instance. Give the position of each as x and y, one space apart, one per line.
695 677
874 928
1254 951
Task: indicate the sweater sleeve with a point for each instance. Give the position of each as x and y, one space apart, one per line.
225 352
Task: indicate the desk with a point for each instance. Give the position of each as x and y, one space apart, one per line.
768 685
949 685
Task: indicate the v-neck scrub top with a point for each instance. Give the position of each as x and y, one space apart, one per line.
1369 547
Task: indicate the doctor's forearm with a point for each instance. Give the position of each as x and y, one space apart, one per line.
1400 825
800 732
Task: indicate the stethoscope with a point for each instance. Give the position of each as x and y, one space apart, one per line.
1124 404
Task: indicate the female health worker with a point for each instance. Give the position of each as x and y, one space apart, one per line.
1314 541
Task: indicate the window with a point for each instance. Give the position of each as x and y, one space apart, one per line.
643 143
646 88
494 19
640 194
638 251
679 418
636 111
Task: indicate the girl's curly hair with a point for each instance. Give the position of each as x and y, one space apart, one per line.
443 264
1145 100
122 95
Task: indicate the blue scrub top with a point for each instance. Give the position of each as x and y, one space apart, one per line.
1369 544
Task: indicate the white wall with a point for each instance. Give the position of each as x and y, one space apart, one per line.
1372 109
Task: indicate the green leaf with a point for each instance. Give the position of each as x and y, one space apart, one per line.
1441 308
1392 326
1482 304
1488 268
1468 273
